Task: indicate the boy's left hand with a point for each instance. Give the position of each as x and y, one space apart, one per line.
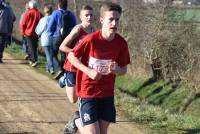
113 67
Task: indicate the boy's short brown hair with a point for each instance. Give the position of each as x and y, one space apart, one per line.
86 7
109 6
49 7
63 4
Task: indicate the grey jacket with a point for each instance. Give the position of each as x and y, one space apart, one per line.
7 17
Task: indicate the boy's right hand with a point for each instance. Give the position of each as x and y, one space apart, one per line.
94 75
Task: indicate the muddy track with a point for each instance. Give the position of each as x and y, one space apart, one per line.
32 103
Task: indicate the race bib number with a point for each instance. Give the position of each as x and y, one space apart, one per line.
101 66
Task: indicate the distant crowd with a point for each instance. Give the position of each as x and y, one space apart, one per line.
51 27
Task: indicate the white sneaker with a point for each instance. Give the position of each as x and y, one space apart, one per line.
34 64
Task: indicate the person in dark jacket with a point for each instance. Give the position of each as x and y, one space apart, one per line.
7 18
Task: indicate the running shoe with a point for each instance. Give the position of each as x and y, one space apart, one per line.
70 127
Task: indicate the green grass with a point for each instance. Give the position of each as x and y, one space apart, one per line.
128 83
158 105
17 52
190 14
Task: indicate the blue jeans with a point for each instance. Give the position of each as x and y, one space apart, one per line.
3 39
49 57
24 45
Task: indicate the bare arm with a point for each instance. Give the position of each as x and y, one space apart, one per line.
120 70
117 70
90 72
65 45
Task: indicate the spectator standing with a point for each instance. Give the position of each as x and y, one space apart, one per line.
104 54
27 28
7 18
9 37
46 40
24 42
54 27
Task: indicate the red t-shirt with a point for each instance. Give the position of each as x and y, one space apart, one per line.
67 65
29 22
97 53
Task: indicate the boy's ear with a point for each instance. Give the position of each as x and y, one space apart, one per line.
101 20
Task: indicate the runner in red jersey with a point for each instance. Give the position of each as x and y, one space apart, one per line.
99 57
81 34
77 33
97 53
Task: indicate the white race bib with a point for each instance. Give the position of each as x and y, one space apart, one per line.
101 66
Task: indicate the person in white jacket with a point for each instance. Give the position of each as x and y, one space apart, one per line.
46 40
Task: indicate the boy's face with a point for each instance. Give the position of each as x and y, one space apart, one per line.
27 6
86 16
110 21
45 10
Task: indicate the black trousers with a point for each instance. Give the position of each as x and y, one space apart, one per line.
3 39
56 44
32 43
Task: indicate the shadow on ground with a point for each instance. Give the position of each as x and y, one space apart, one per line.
191 131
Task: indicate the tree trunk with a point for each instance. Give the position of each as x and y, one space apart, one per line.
157 69
76 7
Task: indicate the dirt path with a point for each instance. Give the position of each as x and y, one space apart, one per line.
31 103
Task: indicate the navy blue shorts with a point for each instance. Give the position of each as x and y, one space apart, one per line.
94 109
70 78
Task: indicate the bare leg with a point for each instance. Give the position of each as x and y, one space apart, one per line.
71 94
92 128
88 129
79 126
103 126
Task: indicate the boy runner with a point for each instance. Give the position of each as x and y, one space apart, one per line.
77 33
104 54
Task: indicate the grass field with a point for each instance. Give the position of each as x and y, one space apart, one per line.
190 14
158 105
